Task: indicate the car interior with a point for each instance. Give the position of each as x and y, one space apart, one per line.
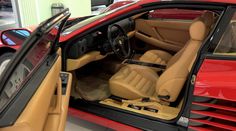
139 64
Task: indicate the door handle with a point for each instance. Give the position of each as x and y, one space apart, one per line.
55 107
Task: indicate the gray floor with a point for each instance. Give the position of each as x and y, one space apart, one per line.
74 124
7 18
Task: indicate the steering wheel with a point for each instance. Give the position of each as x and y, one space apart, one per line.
119 41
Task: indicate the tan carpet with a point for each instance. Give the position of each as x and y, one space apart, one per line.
93 88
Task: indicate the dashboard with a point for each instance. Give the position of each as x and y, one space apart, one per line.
97 41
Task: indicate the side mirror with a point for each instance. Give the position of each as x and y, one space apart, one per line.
14 37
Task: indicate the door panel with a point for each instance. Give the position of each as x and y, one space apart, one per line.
58 110
36 114
165 34
33 90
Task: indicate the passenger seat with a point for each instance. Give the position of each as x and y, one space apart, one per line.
163 57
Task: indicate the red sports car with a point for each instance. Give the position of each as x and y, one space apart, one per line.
136 67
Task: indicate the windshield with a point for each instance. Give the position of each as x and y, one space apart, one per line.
92 19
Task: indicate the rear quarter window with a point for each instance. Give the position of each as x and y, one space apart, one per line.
227 44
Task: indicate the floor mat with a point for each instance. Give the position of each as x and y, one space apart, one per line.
94 77
93 88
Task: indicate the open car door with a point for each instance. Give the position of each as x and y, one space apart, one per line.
34 93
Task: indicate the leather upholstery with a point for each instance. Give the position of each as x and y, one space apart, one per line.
197 30
128 82
156 56
73 64
34 116
163 33
133 82
163 57
172 80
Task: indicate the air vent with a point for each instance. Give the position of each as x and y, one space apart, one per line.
209 114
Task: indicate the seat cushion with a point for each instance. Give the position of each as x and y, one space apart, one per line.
156 56
134 82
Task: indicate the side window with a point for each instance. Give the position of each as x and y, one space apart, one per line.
181 14
26 68
227 44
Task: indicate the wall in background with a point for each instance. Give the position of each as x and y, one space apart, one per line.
78 7
44 9
32 12
28 12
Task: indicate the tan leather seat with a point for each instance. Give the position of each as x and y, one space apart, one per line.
163 57
156 56
134 81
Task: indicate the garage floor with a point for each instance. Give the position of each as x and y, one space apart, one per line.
7 18
75 124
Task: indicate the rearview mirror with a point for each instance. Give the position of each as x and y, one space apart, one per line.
14 37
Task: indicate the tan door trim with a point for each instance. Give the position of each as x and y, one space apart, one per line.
35 114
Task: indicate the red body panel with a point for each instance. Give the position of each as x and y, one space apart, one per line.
16 47
101 121
217 79
221 107
219 1
117 5
215 115
219 125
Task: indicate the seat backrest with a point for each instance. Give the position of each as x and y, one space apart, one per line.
172 80
208 19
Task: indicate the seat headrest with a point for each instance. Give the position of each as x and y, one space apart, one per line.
198 29
208 18
201 26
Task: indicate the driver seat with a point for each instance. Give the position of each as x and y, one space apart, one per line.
135 81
